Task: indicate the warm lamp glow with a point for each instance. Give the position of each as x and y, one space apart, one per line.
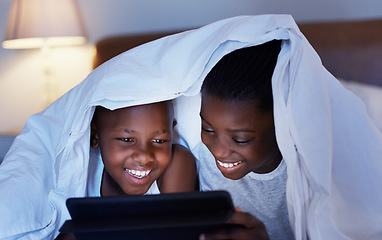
44 24
35 23
23 43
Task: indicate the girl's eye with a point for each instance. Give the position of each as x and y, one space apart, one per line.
207 130
241 141
160 141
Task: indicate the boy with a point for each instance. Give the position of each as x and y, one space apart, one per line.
136 145
138 154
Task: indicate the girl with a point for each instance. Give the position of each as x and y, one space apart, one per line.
240 134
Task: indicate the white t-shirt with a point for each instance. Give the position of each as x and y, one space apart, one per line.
262 195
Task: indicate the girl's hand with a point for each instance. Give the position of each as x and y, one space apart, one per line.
249 228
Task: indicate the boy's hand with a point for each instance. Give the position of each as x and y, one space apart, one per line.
251 228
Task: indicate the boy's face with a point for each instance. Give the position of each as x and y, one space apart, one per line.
241 138
135 144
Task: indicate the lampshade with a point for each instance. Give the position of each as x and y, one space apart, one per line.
32 23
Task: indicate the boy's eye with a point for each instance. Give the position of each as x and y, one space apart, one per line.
126 139
160 141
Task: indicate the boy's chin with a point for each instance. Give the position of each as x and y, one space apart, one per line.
137 191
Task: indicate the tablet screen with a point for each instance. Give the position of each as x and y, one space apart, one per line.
162 216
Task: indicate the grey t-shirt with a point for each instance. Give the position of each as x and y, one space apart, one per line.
262 195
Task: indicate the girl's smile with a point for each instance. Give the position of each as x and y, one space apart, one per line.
240 136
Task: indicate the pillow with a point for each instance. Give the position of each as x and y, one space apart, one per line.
371 96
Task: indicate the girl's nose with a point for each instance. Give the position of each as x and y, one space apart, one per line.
219 149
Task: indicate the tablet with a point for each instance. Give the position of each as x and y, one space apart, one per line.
163 216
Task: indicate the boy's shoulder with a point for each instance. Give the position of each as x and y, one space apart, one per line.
181 173
180 148
180 151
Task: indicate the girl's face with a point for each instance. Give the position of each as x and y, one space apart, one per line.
135 144
241 138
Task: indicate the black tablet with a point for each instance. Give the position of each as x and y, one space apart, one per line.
163 216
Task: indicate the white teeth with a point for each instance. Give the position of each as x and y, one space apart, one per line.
138 173
228 165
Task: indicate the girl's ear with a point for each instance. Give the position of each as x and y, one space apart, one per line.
93 136
174 123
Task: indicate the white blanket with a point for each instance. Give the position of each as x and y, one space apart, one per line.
331 148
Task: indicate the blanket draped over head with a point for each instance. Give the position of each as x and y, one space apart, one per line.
332 150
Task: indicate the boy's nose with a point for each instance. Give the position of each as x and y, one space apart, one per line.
142 155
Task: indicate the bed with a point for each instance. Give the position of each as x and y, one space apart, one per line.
351 51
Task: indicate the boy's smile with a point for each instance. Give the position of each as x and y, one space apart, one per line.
135 144
139 177
138 173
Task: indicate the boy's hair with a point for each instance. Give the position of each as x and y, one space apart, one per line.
245 75
99 110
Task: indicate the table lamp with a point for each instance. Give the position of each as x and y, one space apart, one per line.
44 24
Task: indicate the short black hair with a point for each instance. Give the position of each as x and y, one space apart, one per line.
100 110
245 75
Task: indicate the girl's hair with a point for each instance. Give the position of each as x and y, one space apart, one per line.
245 75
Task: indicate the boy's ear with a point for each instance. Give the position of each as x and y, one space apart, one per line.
174 123
93 135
